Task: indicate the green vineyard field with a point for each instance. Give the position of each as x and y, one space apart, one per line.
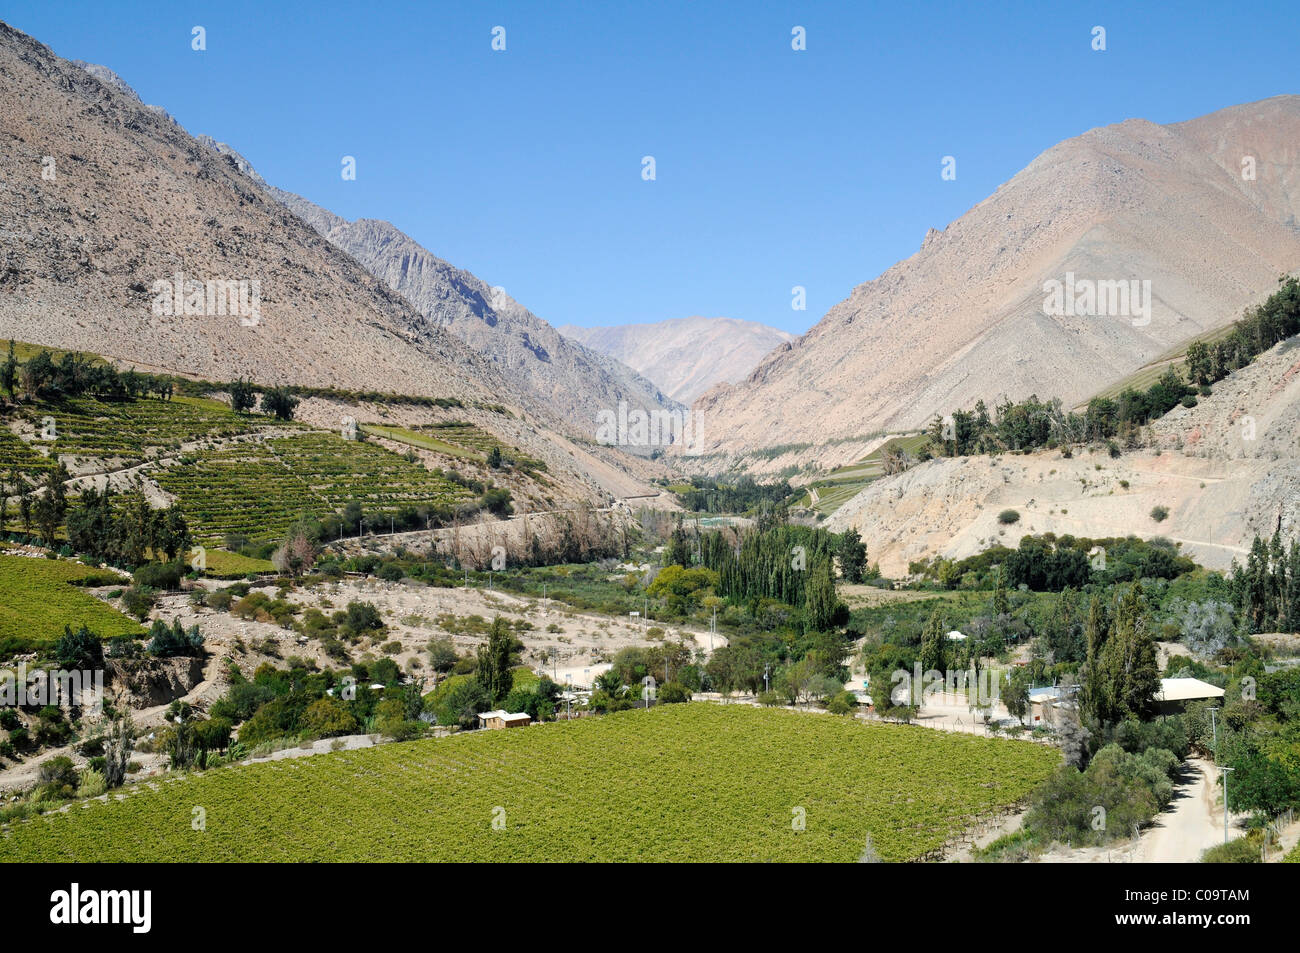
694 782
38 598
261 488
129 428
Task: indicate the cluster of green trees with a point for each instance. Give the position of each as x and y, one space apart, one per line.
42 377
299 702
1120 677
1266 591
794 565
1277 319
278 402
44 506
710 496
1033 423
624 685
1051 563
125 529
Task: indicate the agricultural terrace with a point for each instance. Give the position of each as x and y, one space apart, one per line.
691 782
129 428
16 453
261 488
38 597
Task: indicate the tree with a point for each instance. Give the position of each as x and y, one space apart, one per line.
852 554
934 644
81 649
494 672
1015 695
9 372
820 604
242 396
494 458
278 402
442 655
51 506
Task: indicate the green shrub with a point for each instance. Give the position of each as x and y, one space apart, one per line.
1160 513
1007 517
1242 850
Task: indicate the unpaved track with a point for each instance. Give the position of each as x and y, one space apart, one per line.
1193 822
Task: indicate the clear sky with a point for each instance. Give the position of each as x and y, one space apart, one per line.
774 167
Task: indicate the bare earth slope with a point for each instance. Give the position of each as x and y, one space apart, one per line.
134 199
1225 470
685 356
963 318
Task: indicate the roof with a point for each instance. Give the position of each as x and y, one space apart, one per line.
1186 689
1044 693
505 715
956 636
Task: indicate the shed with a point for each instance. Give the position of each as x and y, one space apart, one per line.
498 718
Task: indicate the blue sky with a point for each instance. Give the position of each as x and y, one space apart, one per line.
774 168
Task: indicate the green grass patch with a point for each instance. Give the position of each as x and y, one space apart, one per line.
425 441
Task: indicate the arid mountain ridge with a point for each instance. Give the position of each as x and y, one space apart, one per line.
964 317
685 356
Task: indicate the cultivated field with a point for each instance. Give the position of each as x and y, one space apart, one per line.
694 782
38 598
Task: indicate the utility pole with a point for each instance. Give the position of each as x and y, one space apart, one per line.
767 667
1225 771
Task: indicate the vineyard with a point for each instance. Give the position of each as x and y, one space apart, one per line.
422 440
129 428
38 598
261 488
695 782
16 453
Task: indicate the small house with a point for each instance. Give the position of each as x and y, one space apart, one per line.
503 719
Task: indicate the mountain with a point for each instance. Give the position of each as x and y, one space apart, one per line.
573 380
106 201
685 356
966 317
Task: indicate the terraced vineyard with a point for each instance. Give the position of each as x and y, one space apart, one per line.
695 782
16 452
38 598
129 428
425 441
841 485
261 488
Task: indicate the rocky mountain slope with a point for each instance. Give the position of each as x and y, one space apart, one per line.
1225 470
965 317
685 356
573 380
105 199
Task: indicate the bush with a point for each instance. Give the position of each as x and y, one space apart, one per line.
770 699
673 694
169 641
92 784
844 703
1243 850
1160 513
138 601
79 650
160 575
1007 517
